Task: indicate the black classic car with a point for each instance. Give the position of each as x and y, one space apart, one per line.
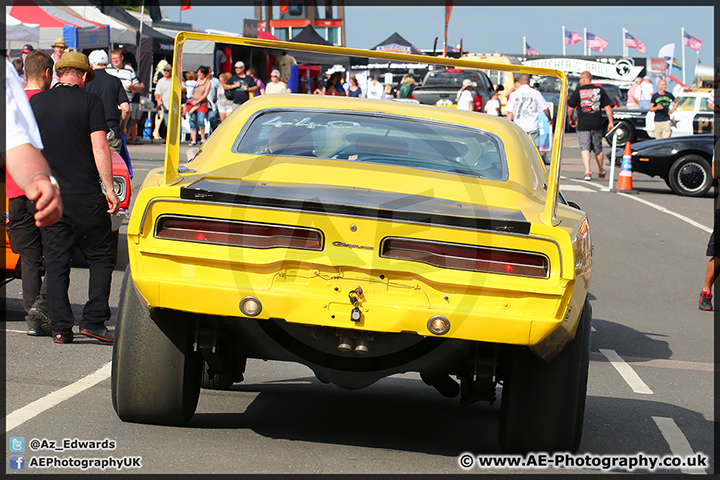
683 162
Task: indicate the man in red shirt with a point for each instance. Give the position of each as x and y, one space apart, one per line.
24 235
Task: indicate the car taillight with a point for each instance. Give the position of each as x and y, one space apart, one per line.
478 103
122 189
411 96
616 104
237 233
454 70
467 257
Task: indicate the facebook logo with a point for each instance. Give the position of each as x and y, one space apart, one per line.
17 462
17 444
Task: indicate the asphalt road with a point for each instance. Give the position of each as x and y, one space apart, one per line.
650 386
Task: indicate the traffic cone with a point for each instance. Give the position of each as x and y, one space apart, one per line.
625 178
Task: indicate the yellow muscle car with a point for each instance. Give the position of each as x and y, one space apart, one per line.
362 238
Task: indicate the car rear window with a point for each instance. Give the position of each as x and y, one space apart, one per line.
551 84
388 140
446 79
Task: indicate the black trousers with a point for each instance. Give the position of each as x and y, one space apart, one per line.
26 240
85 221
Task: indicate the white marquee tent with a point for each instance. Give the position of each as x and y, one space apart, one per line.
18 34
120 33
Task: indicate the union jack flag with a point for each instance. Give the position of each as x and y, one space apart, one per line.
595 42
530 51
571 38
632 42
692 42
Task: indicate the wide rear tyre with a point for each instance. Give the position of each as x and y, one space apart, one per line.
543 404
155 373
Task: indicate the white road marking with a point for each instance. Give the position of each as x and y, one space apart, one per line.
669 212
575 188
16 331
626 371
23 414
677 441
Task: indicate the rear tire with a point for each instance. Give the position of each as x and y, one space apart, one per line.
625 133
155 373
543 404
691 176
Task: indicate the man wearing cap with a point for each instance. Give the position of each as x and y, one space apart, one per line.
163 91
242 84
465 95
73 130
524 106
27 48
110 90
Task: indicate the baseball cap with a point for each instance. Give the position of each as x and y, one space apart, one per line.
98 58
239 65
27 48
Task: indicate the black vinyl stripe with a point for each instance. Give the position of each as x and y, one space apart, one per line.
316 206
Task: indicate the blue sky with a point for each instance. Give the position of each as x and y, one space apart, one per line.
501 29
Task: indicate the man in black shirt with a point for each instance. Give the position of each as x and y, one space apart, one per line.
590 100
242 84
111 92
73 130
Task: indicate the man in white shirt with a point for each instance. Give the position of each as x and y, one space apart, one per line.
644 93
163 91
524 106
376 89
132 85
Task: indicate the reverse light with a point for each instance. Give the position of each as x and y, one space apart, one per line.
250 306
237 233
467 257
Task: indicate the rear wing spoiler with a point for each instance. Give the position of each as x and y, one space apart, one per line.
172 152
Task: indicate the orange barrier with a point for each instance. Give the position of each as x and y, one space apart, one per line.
625 177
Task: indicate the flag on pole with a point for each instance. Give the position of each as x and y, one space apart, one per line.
153 7
530 51
692 42
185 5
571 38
668 53
676 64
448 12
632 42
595 42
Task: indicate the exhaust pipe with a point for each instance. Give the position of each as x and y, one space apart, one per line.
443 383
